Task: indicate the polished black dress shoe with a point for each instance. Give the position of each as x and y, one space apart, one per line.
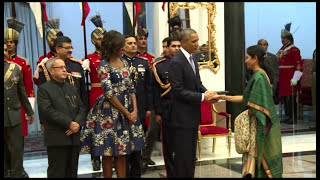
151 162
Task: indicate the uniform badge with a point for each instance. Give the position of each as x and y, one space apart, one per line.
76 74
14 79
141 68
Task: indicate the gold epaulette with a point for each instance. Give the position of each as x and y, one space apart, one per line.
163 86
76 60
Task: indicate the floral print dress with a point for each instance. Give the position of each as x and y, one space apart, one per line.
107 131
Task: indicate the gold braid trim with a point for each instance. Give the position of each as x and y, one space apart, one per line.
259 108
9 72
70 78
45 71
163 86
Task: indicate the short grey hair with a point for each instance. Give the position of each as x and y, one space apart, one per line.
185 33
50 62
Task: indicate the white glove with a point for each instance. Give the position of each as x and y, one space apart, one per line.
86 65
36 72
32 101
296 77
293 82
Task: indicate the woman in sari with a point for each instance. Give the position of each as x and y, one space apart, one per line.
266 157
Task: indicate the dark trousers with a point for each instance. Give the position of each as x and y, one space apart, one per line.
287 102
151 137
133 166
13 151
185 145
168 150
63 161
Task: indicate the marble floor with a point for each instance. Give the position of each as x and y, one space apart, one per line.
298 147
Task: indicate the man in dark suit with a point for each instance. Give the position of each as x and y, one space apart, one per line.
14 95
188 92
62 112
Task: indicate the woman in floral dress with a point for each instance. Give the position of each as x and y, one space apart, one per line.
112 129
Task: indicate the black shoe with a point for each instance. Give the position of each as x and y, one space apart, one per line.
96 166
151 162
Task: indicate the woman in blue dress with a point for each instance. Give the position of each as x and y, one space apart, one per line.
112 129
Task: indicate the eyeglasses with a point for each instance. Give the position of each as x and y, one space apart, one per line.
70 47
60 67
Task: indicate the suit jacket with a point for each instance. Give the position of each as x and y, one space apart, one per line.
59 104
14 95
187 92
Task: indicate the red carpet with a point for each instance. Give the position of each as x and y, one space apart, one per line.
34 144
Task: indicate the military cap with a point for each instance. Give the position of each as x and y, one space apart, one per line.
286 31
96 20
14 29
53 29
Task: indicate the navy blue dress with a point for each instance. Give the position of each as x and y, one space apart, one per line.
107 131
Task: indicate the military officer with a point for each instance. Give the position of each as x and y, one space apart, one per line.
14 96
91 64
52 34
12 39
141 76
162 104
290 72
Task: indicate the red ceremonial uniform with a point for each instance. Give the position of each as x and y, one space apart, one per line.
27 81
96 89
289 61
146 55
49 55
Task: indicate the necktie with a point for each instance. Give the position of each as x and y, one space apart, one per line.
192 64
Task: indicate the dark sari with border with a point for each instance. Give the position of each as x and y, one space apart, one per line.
258 98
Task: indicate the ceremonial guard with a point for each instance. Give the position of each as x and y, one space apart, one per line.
14 96
141 76
11 38
162 105
290 72
52 34
91 64
141 38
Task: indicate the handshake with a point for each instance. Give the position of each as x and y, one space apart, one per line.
212 97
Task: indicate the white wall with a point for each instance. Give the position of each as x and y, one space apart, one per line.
157 26
209 79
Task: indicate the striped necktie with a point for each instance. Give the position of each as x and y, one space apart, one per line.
192 64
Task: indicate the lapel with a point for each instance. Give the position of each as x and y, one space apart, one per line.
187 64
